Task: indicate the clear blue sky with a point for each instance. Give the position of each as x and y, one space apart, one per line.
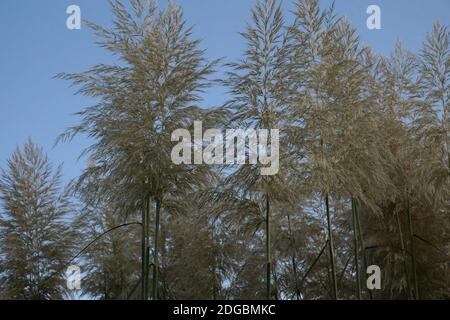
36 45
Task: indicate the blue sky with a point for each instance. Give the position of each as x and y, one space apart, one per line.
36 45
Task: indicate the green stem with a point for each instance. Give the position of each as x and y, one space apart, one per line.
268 254
302 281
143 254
355 243
147 248
361 241
331 247
412 247
403 247
294 263
155 257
